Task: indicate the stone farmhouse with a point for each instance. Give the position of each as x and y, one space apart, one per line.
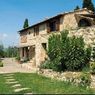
34 39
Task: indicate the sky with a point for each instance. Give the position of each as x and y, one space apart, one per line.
14 12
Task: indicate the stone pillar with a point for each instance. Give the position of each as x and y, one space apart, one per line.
37 54
21 52
25 53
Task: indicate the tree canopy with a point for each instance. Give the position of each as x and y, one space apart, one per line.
77 7
89 5
1 50
25 24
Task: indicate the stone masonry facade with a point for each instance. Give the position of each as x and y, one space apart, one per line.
34 39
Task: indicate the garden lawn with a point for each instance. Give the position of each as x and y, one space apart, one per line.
41 85
4 89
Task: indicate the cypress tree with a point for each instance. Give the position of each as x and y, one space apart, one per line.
77 8
25 24
89 5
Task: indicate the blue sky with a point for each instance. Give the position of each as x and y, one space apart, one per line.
14 12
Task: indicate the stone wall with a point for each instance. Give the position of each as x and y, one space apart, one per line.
69 20
75 78
88 33
92 81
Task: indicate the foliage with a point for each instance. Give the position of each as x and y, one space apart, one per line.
88 56
1 64
86 69
93 53
25 24
11 51
92 67
67 53
89 5
77 8
46 65
50 65
54 44
1 51
73 54
85 79
18 58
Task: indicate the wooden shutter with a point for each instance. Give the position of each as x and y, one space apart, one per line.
48 28
58 25
36 30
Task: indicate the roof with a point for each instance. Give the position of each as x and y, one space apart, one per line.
59 15
89 15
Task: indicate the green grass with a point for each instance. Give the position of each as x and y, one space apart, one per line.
3 87
41 85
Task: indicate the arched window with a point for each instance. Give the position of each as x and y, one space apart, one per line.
84 23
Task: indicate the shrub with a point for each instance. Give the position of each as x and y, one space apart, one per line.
67 53
88 55
1 64
54 47
46 65
74 55
85 79
92 67
18 58
51 65
93 53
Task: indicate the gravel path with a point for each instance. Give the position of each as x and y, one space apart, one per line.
11 66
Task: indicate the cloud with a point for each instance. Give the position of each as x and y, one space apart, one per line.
4 35
9 39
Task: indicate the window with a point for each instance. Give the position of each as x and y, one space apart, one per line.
53 26
84 23
29 32
44 45
23 52
24 39
36 30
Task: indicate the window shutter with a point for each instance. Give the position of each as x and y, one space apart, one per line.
36 30
48 28
58 25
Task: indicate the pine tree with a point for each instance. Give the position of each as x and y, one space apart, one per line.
25 24
77 8
89 5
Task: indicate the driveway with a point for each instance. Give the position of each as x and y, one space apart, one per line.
11 66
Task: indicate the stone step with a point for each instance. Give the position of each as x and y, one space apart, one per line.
28 66
7 75
28 93
15 82
8 80
20 89
16 85
10 77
